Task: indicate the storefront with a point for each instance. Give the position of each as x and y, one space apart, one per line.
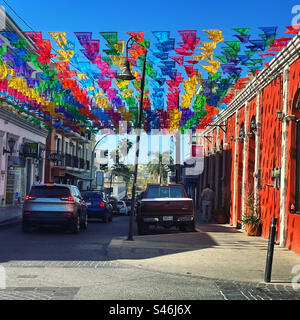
22 147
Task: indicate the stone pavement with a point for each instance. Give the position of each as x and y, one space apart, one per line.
10 215
214 251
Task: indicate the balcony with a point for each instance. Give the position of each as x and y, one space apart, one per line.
72 162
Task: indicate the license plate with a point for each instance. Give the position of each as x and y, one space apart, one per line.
167 218
89 203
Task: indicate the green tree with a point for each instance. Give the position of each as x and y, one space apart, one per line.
120 169
158 166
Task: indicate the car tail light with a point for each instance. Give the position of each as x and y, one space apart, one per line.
67 213
29 198
101 204
27 212
123 206
67 198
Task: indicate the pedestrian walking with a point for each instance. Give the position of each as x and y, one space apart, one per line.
207 197
37 181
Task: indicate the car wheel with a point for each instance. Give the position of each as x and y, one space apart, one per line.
188 227
75 224
105 219
26 227
84 223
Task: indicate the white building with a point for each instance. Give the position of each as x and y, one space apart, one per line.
21 142
20 165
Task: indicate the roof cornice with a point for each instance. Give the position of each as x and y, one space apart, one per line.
285 57
10 117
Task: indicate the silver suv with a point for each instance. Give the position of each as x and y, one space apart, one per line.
54 205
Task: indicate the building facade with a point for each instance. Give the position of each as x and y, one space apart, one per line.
259 152
68 158
22 137
22 147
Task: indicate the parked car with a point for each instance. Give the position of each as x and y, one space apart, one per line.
54 205
128 205
114 202
122 208
167 206
98 205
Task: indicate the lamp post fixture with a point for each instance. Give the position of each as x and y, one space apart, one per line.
11 144
127 75
92 159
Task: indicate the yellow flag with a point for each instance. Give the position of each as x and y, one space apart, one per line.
59 37
198 58
82 75
120 46
210 69
65 55
117 60
122 84
208 46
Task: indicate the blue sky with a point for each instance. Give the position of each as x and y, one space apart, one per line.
129 15
148 16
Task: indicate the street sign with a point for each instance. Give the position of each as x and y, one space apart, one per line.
99 178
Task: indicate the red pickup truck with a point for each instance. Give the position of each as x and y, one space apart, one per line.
167 206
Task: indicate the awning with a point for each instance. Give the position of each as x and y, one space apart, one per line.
79 176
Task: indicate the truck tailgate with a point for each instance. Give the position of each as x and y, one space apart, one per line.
167 206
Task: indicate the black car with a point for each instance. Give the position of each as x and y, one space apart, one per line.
114 203
98 205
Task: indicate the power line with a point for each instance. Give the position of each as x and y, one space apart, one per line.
34 30
18 15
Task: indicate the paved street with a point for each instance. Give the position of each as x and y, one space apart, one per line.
50 264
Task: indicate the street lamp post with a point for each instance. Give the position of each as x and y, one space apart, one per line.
126 75
92 159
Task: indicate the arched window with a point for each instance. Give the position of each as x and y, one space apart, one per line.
253 126
242 133
221 146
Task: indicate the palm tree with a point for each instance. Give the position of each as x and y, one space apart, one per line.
124 146
120 169
158 166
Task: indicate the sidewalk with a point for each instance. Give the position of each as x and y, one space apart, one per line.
10 215
214 251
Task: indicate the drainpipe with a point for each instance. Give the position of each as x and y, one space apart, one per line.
283 182
257 151
223 178
217 177
244 161
234 222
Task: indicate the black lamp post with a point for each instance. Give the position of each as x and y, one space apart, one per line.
127 75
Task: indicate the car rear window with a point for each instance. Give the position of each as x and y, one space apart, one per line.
120 202
91 195
164 192
49 192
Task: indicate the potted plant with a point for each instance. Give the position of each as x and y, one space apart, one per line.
251 220
221 215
